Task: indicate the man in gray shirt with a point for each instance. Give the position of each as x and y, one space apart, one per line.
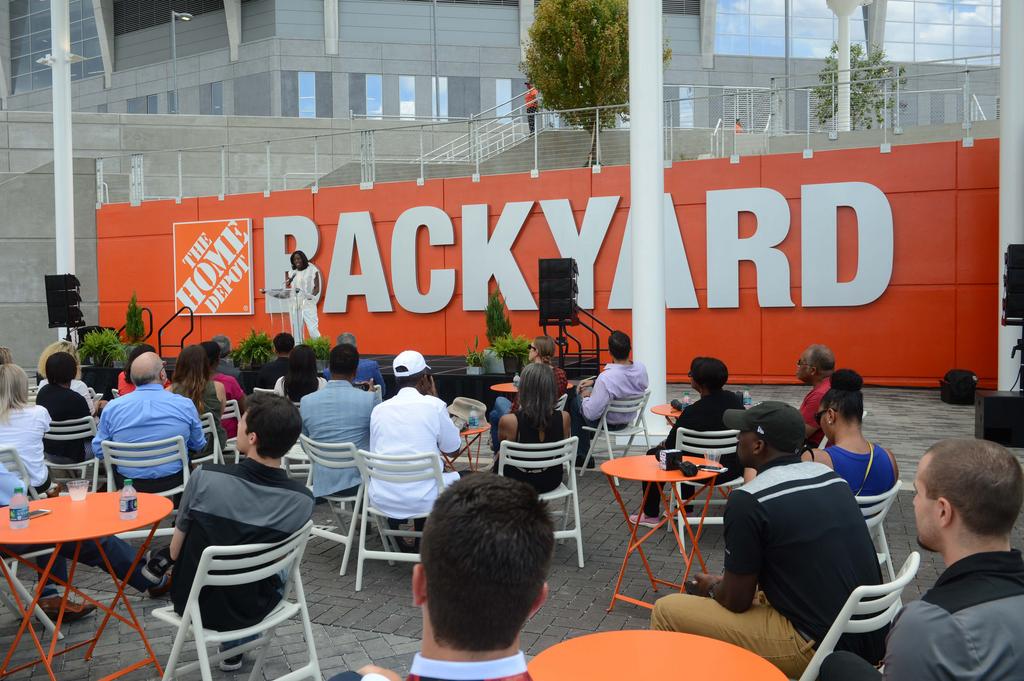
969 626
340 412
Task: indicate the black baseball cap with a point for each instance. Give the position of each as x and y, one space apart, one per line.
780 424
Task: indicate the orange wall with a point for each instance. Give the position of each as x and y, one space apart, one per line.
939 310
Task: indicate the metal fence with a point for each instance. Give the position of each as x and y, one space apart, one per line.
712 122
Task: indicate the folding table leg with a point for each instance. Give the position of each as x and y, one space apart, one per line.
27 614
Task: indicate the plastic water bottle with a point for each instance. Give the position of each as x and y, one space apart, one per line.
747 400
474 419
19 509
687 400
129 501
515 380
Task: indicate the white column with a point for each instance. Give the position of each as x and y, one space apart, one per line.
525 22
63 179
647 186
331 26
843 9
1011 169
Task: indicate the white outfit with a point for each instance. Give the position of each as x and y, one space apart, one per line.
82 389
303 282
411 423
279 386
24 431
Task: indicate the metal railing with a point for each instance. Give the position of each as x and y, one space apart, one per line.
714 122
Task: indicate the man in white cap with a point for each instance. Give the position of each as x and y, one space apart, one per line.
412 422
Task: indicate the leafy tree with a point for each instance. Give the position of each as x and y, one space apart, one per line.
498 323
578 58
134 329
868 75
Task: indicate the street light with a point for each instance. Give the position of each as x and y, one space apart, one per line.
176 17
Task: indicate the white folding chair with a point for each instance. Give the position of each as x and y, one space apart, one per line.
379 390
296 463
128 455
115 392
231 411
210 431
560 404
394 469
534 457
226 566
635 406
10 460
699 443
875 509
336 456
868 608
76 429
265 391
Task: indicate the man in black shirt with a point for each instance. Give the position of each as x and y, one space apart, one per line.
64 404
708 376
271 371
796 546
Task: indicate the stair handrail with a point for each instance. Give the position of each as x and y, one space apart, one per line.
146 337
160 333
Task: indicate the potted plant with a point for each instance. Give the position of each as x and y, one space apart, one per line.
101 348
253 351
514 351
474 359
134 329
322 349
498 325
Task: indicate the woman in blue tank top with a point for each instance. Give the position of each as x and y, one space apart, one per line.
869 469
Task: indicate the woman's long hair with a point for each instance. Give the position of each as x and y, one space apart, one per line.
191 374
13 390
301 378
55 347
545 347
537 389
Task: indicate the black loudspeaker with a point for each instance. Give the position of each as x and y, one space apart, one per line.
1013 284
999 417
63 301
558 290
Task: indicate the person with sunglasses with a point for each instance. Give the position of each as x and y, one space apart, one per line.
869 469
541 351
814 368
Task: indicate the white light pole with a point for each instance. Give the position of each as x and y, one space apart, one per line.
1011 169
175 18
59 60
843 9
647 188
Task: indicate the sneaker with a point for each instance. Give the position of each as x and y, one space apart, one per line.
162 587
231 664
645 520
74 610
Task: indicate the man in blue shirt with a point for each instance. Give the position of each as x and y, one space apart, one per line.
368 369
340 412
118 552
146 414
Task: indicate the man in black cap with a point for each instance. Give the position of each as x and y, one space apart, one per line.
796 546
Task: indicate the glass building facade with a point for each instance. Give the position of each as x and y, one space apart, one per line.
915 30
30 41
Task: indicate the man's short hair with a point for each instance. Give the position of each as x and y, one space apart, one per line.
275 421
347 339
283 343
344 360
710 373
225 344
486 551
61 368
821 357
619 345
982 480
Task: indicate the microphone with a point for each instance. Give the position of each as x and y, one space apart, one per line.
677 405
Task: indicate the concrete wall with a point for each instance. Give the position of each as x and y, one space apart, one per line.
29 253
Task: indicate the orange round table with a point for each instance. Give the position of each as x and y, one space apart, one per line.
470 436
668 411
649 655
74 522
645 468
511 389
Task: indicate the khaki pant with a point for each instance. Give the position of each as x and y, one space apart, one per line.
761 629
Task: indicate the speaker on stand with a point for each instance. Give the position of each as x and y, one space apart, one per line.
64 302
558 292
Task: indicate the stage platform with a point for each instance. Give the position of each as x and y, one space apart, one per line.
449 375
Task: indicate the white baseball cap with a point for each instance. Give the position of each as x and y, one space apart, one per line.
409 363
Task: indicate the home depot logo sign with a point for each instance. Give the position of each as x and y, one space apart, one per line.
213 266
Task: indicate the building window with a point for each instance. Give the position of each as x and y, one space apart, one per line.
374 99
407 97
503 98
142 105
439 97
211 99
926 31
172 101
30 40
307 94
758 28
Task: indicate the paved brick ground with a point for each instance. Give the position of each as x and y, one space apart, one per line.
380 624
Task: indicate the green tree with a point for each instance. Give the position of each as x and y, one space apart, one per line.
134 329
869 73
498 323
578 58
